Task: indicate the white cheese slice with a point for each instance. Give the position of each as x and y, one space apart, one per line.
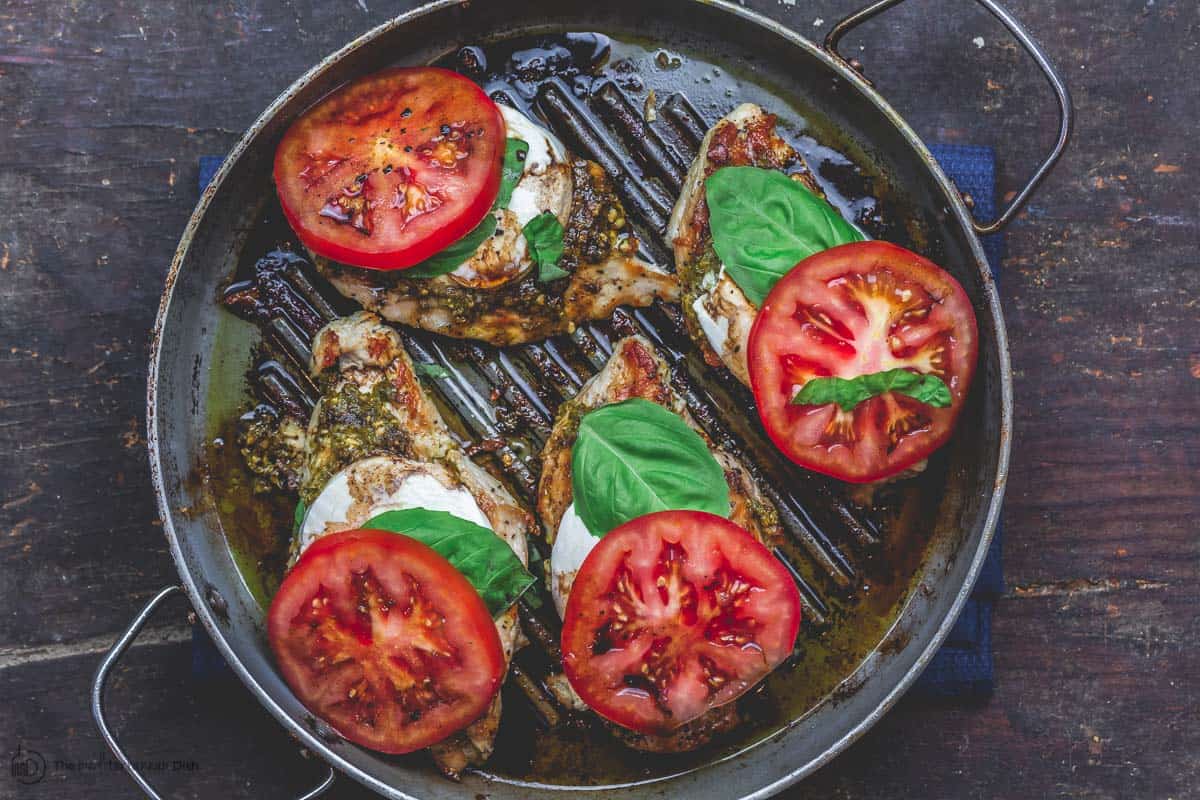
544 147
544 150
571 548
399 486
715 330
533 194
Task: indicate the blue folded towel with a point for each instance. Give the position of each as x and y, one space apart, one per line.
963 667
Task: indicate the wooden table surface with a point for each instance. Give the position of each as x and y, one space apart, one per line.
105 107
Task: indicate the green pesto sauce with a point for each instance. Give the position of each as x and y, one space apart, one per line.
350 425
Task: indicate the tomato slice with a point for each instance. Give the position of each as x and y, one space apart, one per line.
672 614
855 310
382 638
392 168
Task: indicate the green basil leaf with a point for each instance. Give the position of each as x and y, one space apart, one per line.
764 223
449 259
481 556
636 457
931 391
848 393
430 370
819 391
544 238
298 517
515 151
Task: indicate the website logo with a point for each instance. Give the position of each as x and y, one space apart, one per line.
27 766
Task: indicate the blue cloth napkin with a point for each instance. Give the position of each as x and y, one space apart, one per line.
963 667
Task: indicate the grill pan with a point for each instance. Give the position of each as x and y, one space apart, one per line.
701 58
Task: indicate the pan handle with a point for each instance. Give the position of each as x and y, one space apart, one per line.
1066 111
101 680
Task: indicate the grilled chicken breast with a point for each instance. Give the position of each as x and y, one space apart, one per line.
718 314
495 295
374 435
634 370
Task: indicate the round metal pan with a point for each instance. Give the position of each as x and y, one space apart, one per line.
786 66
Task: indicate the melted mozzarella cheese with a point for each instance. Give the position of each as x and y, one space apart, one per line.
571 548
535 192
544 150
341 506
715 330
544 147
525 203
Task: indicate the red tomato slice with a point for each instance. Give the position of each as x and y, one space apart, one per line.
672 614
855 310
392 168
382 638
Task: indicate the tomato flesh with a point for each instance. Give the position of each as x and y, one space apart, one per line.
672 614
392 168
855 310
382 638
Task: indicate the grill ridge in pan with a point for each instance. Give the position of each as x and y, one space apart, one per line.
839 552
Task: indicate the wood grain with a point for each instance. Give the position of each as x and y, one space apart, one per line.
104 109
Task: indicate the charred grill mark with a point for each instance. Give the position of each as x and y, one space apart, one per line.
540 697
569 116
689 123
518 389
294 396
275 291
545 360
652 152
476 413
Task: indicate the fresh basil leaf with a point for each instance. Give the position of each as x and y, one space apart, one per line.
449 259
820 391
544 238
430 370
764 223
848 393
636 457
298 517
515 151
931 391
481 556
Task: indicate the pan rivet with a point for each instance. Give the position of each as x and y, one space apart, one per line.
216 602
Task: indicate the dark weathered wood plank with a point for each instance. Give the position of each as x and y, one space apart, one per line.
1072 715
1097 695
195 741
104 108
